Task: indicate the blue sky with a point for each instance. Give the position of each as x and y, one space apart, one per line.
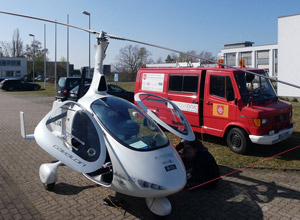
201 25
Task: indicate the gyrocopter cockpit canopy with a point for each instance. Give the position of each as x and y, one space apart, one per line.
128 124
166 114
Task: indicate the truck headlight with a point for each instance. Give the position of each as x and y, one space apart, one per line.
264 121
258 122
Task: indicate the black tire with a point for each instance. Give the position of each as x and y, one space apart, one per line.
10 88
206 170
35 88
49 187
237 140
210 170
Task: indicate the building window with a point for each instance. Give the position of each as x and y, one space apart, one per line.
230 59
275 62
247 56
18 73
9 73
263 57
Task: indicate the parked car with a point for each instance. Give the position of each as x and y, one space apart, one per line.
18 84
2 78
66 84
73 95
111 89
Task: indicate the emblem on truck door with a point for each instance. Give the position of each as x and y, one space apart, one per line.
220 110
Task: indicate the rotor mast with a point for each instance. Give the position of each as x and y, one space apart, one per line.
99 82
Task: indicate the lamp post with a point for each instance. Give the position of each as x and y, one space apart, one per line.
1 61
88 14
33 43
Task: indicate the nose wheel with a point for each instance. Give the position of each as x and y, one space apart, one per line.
159 206
48 174
49 187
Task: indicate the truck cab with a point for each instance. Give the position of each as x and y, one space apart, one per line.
223 102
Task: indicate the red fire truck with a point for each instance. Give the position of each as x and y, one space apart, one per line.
223 102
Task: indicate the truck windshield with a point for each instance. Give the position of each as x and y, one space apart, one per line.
129 124
262 87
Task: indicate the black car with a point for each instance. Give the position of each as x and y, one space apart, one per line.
18 84
2 78
111 89
66 84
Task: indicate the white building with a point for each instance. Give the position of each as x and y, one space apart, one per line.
261 57
280 60
289 54
13 67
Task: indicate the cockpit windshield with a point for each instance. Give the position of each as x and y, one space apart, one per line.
129 124
262 88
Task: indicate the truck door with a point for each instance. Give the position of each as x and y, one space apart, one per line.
183 90
219 103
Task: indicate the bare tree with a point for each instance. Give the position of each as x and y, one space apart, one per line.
17 45
6 48
186 58
159 60
131 58
208 56
172 58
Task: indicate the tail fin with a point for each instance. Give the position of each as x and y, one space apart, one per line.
23 131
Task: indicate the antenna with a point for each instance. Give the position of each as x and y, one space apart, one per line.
105 35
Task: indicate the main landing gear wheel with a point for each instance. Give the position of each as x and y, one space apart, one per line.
237 140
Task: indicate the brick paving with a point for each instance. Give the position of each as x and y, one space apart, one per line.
249 194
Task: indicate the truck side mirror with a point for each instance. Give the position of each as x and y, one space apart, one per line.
230 95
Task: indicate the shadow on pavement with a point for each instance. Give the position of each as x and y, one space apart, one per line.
238 197
67 189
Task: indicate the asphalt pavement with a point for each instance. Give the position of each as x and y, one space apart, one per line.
248 194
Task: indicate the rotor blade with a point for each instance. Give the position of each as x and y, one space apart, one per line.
147 44
51 21
201 58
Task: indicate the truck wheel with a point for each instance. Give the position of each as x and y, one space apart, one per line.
237 140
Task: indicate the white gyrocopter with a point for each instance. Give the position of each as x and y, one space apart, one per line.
102 129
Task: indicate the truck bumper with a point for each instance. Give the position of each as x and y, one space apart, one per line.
273 139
